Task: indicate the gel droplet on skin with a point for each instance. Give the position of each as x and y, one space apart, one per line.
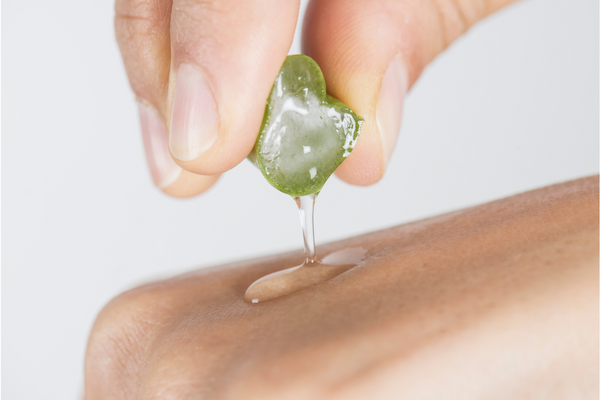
312 271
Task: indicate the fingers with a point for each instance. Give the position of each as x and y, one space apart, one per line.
225 57
142 30
204 69
166 174
371 52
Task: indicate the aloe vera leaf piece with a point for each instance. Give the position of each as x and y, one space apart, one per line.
305 133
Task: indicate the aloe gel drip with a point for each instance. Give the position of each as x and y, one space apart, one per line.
306 209
305 135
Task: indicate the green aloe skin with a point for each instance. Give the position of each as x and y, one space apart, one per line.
305 133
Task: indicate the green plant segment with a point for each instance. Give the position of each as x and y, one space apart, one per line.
305 133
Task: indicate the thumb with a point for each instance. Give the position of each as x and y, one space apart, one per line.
371 52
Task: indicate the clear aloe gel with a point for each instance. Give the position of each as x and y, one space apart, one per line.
312 271
305 135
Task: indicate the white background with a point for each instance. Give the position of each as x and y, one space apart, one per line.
511 106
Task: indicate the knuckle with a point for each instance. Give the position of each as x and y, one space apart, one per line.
119 337
200 26
142 33
203 10
141 17
456 17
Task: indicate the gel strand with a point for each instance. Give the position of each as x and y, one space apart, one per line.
312 271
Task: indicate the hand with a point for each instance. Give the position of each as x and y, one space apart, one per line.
205 68
498 301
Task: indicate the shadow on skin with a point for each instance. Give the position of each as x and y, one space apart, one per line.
496 301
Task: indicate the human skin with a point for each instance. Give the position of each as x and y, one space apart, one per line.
498 301
226 54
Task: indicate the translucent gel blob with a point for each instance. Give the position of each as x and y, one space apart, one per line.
312 271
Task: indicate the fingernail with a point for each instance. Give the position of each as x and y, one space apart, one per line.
194 119
163 169
390 104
